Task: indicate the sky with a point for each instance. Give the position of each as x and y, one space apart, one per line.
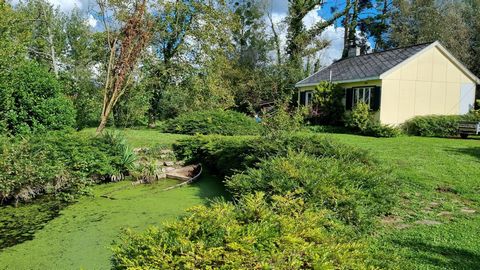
278 9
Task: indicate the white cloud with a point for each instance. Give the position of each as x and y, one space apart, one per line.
66 5
91 21
279 9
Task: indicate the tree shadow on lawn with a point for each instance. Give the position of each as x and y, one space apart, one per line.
453 258
471 151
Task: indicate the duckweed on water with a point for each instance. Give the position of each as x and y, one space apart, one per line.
82 233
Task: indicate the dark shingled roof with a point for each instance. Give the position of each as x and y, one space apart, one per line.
364 66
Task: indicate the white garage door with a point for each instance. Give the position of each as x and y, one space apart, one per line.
467 97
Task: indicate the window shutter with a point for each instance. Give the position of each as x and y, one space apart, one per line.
349 99
303 96
376 98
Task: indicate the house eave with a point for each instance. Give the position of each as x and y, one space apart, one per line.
299 85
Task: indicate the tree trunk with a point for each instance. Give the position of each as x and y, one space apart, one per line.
51 44
101 126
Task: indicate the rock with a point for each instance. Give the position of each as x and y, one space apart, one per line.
166 151
180 163
168 163
169 169
428 222
161 176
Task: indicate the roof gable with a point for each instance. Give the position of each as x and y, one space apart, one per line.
375 65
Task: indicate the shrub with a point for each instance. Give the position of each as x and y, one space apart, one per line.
355 192
225 155
213 122
251 234
376 129
327 106
55 163
360 120
438 125
31 100
432 125
282 121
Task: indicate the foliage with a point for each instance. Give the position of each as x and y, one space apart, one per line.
118 147
132 110
354 191
361 120
376 129
225 155
437 125
282 121
31 100
327 106
213 122
192 46
57 163
250 234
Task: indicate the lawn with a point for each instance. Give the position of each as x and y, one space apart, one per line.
435 225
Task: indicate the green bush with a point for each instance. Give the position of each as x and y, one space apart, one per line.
252 234
327 106
360 120
354 191
225 155
282 121
213 122
437 125
55 163
432 126
31 100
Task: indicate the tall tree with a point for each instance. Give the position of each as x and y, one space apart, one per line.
47 36
298 37
421 21
192 52
126 46
377 25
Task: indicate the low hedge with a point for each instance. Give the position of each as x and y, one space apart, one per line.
213 122
437 125
226 155
355 192
57 163
250 234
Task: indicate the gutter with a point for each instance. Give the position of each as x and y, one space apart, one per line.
343 81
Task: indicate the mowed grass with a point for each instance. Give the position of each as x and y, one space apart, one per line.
436 224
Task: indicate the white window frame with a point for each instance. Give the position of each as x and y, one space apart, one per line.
362 94
308 97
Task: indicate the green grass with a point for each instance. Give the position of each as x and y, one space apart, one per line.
438 178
